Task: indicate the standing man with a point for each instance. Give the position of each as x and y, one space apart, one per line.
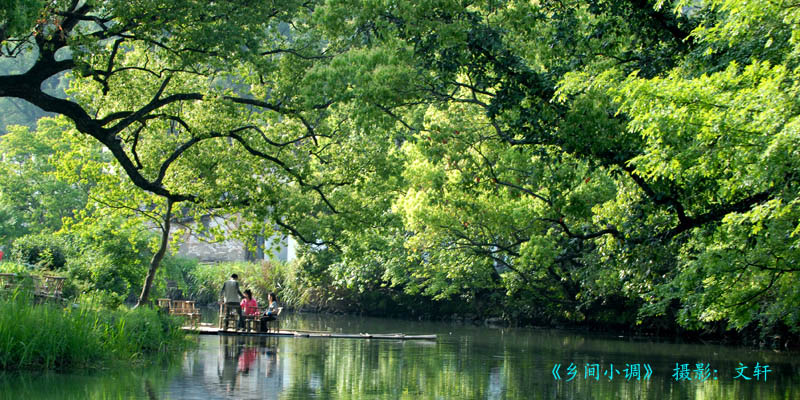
231 296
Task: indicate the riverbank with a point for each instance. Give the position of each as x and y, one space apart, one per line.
750 338
301 286
53 337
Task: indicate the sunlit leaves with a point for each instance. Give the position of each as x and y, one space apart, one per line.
32 197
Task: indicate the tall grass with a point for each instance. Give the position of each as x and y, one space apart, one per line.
262 278
51 337
281 278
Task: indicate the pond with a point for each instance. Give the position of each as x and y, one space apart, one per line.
466 362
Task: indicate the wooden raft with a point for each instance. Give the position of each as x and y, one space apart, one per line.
208 329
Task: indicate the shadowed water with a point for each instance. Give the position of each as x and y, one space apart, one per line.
466 362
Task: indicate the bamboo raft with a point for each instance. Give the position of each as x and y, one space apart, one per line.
207 329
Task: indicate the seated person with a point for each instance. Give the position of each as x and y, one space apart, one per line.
249 304
272 309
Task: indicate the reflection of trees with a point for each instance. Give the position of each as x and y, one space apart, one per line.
148 389
117 383
511 368
354 368
478 365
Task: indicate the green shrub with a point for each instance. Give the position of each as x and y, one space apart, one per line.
100 257
12 267
113 257
101 300
46 250
176 269
50 337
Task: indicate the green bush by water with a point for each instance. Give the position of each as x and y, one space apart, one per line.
80 336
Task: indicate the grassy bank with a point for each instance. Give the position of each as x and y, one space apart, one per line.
51 337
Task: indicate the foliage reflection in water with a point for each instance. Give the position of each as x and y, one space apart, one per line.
465 363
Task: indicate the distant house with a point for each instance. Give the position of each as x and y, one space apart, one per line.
196 245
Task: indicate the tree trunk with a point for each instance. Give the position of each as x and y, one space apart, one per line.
156 261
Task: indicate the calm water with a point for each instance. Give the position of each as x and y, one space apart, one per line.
465 363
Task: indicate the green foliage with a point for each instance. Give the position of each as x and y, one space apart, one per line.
601 161
47 251
114 255
101 257
178 270
32 197
638 158
11 267
305 284
48 337
262 278
16 16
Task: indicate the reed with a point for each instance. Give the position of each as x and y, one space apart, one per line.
260 277
50 337
295 291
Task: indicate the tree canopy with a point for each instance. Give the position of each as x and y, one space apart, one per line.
613 161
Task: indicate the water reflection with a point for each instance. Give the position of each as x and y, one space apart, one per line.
465 363
133 383
474 363
232 367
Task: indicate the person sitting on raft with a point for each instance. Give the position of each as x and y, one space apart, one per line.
272 308
249 304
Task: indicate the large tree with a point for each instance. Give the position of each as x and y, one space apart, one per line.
179 92
633 154
653 144
230 108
